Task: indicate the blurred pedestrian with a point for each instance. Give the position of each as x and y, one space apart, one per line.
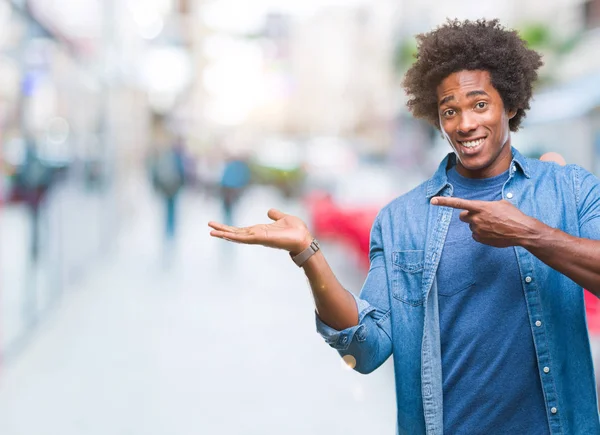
168 177
234 181
32 181
477 275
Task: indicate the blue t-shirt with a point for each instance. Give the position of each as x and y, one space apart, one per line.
491 381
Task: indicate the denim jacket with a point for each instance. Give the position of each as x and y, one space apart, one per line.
398 304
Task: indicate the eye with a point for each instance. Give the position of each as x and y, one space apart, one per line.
481 105
448 113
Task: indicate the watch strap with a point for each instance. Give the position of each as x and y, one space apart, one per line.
301 258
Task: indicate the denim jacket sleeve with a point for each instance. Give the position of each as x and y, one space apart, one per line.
369 342
587 193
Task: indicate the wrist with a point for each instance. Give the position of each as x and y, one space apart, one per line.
301 258
302 245
536 232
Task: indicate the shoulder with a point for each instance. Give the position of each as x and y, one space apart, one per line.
552 177
414 201
550 170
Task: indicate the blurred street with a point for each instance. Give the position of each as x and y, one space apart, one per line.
220 339
125 126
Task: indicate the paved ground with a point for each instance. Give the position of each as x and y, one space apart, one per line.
220 340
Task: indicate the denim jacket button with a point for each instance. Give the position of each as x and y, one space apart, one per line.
528 279
538 323
509 195
553 410
546 369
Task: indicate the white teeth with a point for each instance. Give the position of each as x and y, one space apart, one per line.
473 143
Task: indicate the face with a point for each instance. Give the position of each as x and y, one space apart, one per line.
475 123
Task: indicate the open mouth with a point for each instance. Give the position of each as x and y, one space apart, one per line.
472 143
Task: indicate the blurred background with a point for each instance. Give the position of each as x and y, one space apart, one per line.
125 126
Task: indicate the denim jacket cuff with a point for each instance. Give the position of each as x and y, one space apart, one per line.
340 340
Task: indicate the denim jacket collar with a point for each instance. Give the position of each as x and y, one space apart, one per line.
440 180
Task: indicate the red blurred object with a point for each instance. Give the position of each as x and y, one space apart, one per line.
348 225
592 308
351 226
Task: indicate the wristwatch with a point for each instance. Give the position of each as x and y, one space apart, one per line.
301 258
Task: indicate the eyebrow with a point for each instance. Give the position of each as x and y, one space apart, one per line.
469 94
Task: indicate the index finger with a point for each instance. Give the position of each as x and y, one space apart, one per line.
458 203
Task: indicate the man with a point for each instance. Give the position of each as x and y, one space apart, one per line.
234 180
476 277
168 175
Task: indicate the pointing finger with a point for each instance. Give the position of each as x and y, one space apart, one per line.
458 203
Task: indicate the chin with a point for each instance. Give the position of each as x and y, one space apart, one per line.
475 164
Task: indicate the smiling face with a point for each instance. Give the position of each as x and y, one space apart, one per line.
475 123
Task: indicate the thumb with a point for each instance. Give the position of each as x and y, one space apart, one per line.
275 214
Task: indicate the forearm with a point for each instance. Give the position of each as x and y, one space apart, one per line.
575 257
334 304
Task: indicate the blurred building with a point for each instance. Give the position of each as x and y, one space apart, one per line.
342 81
75 90
283 70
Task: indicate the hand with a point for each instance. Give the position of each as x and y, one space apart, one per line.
494 223
287 232
553 157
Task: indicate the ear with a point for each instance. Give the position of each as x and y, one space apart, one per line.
512 113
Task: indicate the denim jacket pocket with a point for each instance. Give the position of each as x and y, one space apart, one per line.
454 279
407 276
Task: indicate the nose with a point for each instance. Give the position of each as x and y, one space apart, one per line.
467 124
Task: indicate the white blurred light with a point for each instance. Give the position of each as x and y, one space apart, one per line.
249 16
143 6
226 113
71 18
235 79
308 7
224 79
149 23
148 16
217 46
58 130
285 155
166 69
152 30
5 15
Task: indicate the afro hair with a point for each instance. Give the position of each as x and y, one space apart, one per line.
472 45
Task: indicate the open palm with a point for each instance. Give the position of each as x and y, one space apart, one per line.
286 232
